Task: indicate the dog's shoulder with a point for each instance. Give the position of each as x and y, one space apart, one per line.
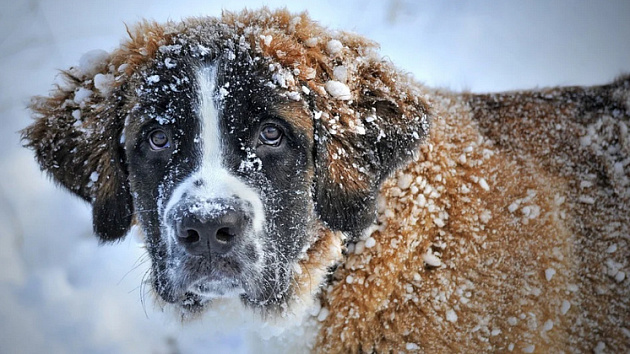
480 243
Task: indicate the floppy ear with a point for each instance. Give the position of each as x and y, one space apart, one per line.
77 140
360 142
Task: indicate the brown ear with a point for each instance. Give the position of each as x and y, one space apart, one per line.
360 142
77 140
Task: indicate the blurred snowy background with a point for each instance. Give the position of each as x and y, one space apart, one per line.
62 293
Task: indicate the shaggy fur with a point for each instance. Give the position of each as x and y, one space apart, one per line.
507 229
509 232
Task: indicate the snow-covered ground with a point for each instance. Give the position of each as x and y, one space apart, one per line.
62 293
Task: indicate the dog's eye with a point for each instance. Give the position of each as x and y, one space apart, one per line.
159 140
270 135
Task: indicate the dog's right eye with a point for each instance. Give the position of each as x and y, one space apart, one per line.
159 140
270 135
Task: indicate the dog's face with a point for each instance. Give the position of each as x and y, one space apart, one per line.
233 143
221 165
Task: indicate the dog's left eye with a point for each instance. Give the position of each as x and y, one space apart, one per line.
159 140
270 135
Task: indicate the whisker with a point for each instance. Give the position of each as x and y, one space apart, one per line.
137 264
143 290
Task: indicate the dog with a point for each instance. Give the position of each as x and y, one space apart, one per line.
270 160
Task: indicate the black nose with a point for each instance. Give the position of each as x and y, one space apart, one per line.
203 232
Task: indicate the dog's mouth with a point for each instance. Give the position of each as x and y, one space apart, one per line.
201 289
222 278
208 278
216 288
204 291
195 281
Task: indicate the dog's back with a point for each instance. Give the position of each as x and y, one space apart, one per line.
510 231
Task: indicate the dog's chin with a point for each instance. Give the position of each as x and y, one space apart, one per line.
210 289
201 293
220 278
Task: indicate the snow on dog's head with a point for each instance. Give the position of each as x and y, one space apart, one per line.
246 147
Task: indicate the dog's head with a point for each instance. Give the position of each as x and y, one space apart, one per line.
235 143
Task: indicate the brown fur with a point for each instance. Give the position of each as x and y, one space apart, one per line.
507 230
493 269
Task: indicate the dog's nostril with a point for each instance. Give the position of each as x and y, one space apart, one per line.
192 236
224 235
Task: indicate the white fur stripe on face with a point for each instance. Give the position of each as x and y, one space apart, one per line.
209 112
217 181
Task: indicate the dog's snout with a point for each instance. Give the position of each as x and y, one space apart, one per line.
204 233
